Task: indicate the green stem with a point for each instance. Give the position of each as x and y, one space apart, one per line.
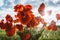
36 37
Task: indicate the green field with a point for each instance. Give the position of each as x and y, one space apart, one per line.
46 35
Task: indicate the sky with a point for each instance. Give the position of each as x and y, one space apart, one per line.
6 7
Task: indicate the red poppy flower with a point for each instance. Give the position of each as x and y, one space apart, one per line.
48 27
9 18
58 16
19 27
53 22
20 14
2 24
25 17
52 26
26 36
41 9
34 22
10 32
28 7
8 25
18 8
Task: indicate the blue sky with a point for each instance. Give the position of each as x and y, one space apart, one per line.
6 6
34 3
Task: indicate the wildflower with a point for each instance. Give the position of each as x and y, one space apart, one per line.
19 27
10 32
9 18
26 36
34 22
58 16
28 7
9 29
48 27
18 8
52 26
25 17
2 24
8 25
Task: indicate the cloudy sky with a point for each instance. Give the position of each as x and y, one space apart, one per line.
6 7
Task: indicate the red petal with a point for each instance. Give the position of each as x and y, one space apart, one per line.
10 32
19 8
26 18
58 16
28 7
48 28
53 26
41 9
26 36
34 22
9 18
53 22
8 25
19 27
2 24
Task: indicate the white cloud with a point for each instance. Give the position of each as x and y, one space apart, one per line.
54 1
23 1
46 0
1 2
7 11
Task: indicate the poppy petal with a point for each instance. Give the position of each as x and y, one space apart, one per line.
41 9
